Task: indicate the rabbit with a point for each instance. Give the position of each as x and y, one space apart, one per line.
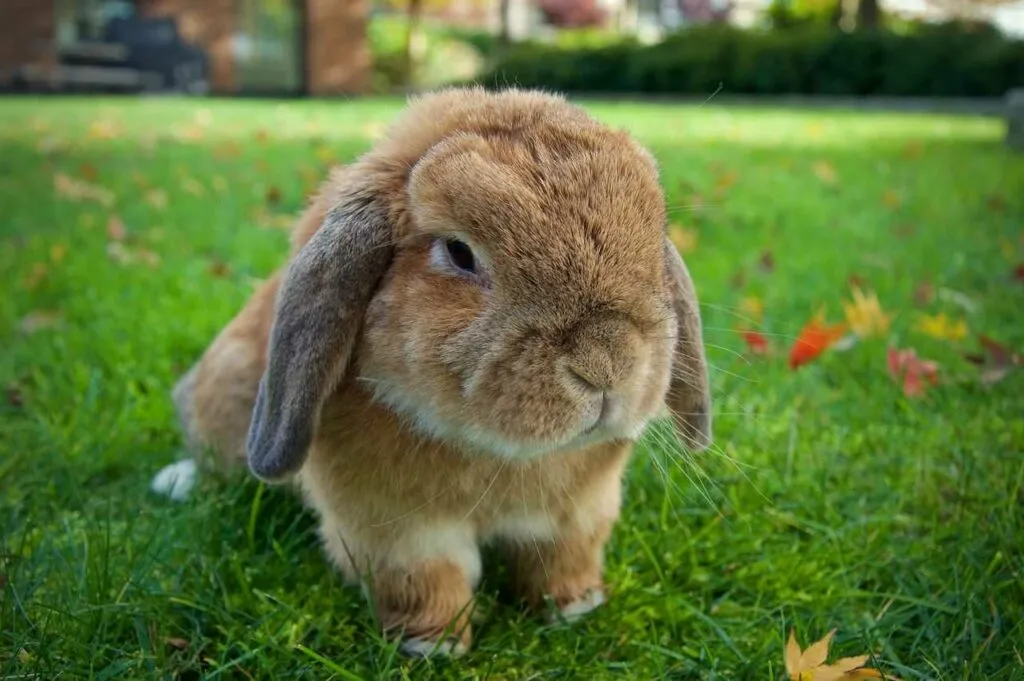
478 319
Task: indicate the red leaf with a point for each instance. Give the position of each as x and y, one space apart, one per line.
914 373
756 342
815 338
1018 273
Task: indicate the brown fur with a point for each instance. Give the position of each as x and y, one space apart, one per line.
424 412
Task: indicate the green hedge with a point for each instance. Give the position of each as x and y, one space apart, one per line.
940 61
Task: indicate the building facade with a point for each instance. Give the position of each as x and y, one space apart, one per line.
315 47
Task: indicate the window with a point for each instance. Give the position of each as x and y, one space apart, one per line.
268 46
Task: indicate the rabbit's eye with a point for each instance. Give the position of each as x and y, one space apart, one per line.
461 255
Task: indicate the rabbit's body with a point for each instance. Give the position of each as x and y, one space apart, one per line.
479 319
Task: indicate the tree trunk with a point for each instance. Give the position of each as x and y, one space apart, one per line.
504 8
868 14
413 40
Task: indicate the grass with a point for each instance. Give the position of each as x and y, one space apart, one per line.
831 500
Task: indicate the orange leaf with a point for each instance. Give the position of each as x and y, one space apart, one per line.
815 338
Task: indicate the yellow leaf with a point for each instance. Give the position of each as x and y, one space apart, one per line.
752 307
157 198
684 238
865 315
809 665
58 251
192 186
942 327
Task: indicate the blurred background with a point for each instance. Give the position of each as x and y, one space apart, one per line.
907 48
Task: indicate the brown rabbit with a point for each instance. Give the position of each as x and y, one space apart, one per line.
479 318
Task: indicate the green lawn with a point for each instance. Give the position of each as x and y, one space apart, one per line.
831 499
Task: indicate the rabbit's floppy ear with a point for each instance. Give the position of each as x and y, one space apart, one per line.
689 397
320 307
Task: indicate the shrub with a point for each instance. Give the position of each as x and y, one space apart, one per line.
945 60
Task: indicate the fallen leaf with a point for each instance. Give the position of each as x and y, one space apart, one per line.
725 179
227 150
942 327
757 344
752 307
815 129
1018 273
996 360
24 656
14 398
273 195
123 255
865 315
825 172
68 187
104 129
815 338
738 280
88 172
116 229
40 320
192 186
58 251
809 665
36 275
262 136
891 199
924 293
767 262
1007 248
157 198
219 268
913 149
996 203
855 281
324 154
684 238
904 231
913 373
177 643
140 180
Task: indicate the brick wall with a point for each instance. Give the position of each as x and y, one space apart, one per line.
27 35
210 24
337 52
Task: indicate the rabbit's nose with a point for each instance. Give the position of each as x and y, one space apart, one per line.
603 355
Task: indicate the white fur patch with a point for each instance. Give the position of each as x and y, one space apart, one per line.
422 647
524 528
577 609
175 481
448 541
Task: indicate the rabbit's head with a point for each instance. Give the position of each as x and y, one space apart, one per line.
497 272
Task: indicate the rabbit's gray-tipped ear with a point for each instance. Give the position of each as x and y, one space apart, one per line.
320 308
689 396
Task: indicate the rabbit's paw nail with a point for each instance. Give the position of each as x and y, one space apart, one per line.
425 647
175 481
574 610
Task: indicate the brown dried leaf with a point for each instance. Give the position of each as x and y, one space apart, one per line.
176 643
116 229
996 203
273 195
88 172
69 188
219 268
36 275
40 320
15 399
891 199
766 262
825 172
